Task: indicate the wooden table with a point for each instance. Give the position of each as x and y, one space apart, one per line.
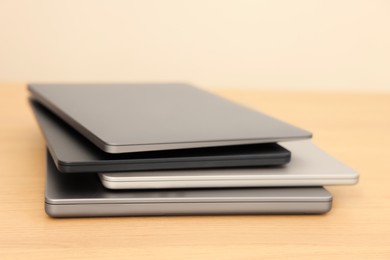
353 127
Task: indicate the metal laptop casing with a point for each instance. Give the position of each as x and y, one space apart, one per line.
72 153
309 166
122 118
82 195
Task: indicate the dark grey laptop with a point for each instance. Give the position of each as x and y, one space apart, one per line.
73 153
82 195
121 118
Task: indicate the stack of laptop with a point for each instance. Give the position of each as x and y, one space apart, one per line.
173 149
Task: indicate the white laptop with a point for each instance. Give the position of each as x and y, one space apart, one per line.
309 166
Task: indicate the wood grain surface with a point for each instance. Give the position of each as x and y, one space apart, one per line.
353 127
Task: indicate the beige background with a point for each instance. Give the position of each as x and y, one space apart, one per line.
256 44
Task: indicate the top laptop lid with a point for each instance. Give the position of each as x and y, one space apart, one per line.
121 118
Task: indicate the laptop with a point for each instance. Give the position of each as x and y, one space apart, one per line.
73 153
125 118
309 166
83 195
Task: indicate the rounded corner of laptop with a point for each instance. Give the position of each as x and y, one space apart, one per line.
355 178
49 199
107 182
328 197
110 147
50 211
286 159
326 208
64 166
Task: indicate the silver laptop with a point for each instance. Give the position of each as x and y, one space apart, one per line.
82 195
121 118
309 166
